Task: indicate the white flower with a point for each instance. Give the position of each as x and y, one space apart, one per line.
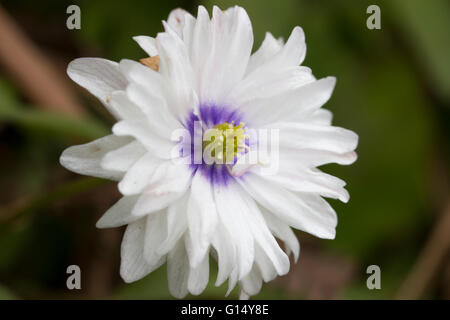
181 213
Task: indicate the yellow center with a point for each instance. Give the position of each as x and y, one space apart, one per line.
226 141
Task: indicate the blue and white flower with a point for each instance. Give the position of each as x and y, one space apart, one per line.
181 213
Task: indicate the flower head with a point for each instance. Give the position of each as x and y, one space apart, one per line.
186 197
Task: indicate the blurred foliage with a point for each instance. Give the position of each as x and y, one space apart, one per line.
429 23
392 85
47 123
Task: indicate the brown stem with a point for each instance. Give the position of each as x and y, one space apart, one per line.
429 261
33 72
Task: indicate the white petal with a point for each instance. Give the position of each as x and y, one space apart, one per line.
199 276
86 158
148 91
294 51
310 181
119 214
188 33
136 72
133 266
252 283
161 121
178 271
295 103
260 91
232 280
124 108
311 136
148 44
139 175
232 40
310 98
321 116
175 66
243 295
306 212
155 233
315 158
176 224
245 163
148 203
233 217
100 77
124 157
140 130
202 217
261 232
290 55
283 232
200 46
265 266
266 51
160 194
177 20
226 253
172 178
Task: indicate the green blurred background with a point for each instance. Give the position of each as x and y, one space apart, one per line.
393 89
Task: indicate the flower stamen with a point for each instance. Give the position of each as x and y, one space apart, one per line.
228 142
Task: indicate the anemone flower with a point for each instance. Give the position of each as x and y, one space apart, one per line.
202 77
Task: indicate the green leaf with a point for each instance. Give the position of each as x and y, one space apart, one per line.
5 294
44 199
425 26
8 98
43 121
52 123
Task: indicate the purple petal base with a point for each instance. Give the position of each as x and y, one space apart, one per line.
212 115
